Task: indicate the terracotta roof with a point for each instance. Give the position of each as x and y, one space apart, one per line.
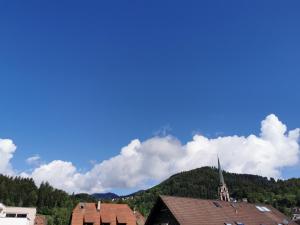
40 220
108 213
190 211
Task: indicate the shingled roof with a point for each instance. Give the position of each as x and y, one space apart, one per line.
108 213
191 211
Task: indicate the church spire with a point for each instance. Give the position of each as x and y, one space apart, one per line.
222 182
223 190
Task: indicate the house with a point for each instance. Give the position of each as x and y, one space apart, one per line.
19 216
170 210
190 211
296 214
103 214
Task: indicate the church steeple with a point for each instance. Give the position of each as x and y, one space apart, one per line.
223 190
222 182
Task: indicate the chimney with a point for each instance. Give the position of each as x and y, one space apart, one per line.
98 205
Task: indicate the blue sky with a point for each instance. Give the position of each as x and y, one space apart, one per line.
81 79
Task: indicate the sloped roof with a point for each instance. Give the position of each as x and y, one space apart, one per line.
108 213
191 211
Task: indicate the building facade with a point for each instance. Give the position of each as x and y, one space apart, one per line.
296 214
17 215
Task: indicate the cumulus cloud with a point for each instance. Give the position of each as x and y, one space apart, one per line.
7 149
159 157
155 159
60 174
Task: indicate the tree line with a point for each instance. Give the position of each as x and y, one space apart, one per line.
55 204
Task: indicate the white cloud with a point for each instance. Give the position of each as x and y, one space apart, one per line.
159 157
34 160
141 162
7 149
60 174
264 155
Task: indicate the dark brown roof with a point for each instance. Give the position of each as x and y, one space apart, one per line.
109 213
191 211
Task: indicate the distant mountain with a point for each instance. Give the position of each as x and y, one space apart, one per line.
111 195
132 194
105 196
203 183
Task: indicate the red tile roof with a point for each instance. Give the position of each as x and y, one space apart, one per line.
108 213
190 211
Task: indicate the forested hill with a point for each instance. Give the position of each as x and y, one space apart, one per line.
203 183
55 204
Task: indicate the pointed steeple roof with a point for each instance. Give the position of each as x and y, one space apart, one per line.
223 190
220 173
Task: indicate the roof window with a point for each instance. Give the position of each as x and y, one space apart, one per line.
239 223
263 208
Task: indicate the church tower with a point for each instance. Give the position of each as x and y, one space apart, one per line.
223 190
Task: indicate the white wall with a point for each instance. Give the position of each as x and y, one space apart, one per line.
31 213
14 221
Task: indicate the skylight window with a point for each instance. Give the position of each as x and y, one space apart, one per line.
266 209
263 208
239 223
